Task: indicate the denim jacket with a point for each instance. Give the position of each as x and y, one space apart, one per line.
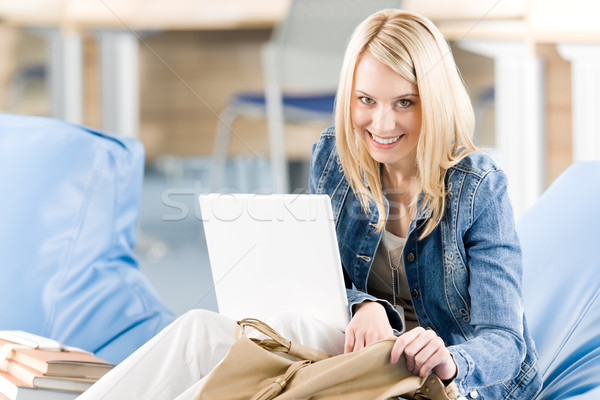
464 277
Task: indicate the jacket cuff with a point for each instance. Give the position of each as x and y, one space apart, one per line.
356 297
464 366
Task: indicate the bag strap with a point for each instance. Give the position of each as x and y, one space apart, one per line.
277 343
434 389
280 383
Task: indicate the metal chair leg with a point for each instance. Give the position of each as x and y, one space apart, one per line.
221 147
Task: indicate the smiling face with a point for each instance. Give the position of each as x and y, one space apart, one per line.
386 112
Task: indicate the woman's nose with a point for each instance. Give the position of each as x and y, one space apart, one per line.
383 120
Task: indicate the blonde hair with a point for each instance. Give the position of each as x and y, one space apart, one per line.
413 47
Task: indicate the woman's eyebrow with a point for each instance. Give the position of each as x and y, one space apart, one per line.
407 95
362 92
397 97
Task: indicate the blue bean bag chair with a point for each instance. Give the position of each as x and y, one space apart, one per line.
69 203
560 236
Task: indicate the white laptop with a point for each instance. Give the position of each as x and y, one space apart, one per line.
271 254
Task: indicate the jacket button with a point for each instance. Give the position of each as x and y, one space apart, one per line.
415 293
474 394
410 257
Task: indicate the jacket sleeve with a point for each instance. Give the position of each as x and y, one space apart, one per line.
493 258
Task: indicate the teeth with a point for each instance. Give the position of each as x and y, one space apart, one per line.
384 140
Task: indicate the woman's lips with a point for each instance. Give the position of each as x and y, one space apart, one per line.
385 141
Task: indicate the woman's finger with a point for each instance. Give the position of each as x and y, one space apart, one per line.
430 356
359 340
417 345
436 358
349 343
402 341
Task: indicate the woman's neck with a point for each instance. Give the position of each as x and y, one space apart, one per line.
401 188
399 180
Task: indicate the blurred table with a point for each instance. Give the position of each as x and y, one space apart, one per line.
119 26
174 14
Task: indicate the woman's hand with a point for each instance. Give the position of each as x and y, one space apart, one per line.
424 351
369 324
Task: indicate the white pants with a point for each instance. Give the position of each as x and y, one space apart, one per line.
172 364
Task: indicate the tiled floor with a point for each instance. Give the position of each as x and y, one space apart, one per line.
171 247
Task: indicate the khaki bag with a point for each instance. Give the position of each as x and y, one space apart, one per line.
276 368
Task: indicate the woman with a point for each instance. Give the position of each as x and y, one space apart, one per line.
424 223
425 230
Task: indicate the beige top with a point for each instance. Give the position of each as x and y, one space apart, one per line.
379 283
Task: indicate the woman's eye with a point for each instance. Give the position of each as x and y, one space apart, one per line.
404 103
367 100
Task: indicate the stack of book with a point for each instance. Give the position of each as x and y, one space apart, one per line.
34 367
